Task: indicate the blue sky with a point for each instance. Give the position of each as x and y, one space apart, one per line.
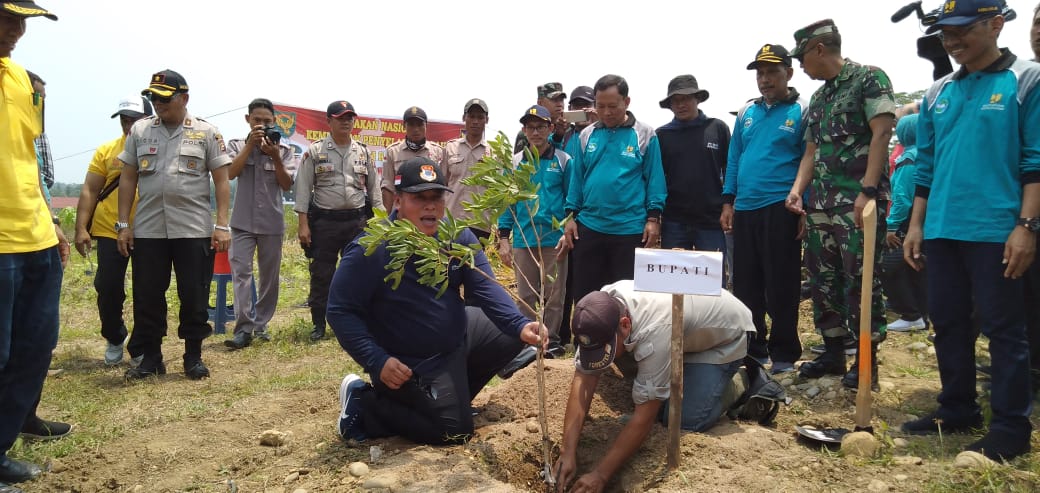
387 56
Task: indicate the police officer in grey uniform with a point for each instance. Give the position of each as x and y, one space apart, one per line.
336 186
168 161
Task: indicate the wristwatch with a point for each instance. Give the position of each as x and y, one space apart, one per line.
121 226
1032 224
222 228
869 192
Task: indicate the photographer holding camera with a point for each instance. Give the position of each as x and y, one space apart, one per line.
257 220
336 189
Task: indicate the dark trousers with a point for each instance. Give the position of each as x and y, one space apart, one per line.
963 275
192 261
600 259
30 285
675 234
434 406
905 288
1031 283
109 282
767 272
330 234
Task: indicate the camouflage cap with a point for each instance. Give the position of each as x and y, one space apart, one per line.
551 90
803 36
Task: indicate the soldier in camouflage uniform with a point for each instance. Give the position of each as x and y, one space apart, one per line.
849 124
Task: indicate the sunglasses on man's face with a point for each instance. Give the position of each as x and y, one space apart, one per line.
155 98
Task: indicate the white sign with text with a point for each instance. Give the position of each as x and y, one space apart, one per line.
678 271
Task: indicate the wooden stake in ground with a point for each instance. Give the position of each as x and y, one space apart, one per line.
863 397
675 397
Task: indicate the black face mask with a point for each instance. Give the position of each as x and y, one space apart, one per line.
415 146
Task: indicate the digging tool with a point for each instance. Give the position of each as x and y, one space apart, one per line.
863 397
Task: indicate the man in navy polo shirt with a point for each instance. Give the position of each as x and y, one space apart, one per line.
427 354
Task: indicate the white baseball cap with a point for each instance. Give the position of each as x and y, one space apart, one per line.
134 105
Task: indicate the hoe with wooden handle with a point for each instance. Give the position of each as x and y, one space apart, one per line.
863 397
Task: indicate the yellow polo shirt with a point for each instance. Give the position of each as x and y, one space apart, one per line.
25 220
106 163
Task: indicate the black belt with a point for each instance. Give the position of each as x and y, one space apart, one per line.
343 214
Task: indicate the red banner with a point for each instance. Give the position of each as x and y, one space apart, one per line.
301 126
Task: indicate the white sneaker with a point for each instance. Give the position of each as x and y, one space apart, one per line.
907 325
114 354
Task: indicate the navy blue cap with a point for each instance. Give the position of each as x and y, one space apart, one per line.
538 112
965 12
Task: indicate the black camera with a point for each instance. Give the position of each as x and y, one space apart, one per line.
272 133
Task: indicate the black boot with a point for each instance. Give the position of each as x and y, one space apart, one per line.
318 333
851 379
831 362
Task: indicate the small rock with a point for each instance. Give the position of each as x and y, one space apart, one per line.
725 465
908 460
803 386
304 471
357 469
321 446
877 486
860 444
830 395
531 414
930 351
57 466
825 382
292 477
272 438
886 386
900 443
313 410
787 382
376 483
917 346
533 426
969 459
901 477
805 468
138 488
492 416
299 490
812 392
375 454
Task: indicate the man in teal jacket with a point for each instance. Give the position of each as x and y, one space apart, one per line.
531 252
764 153
976 212
616 191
